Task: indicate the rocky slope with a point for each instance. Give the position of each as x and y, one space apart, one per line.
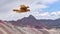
8 28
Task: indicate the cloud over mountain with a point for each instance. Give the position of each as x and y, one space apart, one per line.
36 7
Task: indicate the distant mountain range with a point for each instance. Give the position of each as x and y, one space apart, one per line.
43 23
29 25
51 23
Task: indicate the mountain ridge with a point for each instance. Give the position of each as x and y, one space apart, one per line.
32 21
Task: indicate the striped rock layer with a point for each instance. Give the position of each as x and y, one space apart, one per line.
7 28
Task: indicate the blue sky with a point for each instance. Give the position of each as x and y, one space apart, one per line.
40 9
53 7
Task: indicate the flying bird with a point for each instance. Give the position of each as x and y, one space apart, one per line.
22 8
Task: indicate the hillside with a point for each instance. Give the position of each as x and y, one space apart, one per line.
8 28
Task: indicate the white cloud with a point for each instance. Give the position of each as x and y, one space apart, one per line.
47 15
48 1
9 15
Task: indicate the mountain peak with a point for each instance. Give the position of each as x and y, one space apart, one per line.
31 17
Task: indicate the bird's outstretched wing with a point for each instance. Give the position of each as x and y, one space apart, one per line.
20 11
15 10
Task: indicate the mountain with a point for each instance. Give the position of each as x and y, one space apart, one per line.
51 23
28 21
9 28
42 23
29 25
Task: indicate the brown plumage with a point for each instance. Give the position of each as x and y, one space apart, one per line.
23 8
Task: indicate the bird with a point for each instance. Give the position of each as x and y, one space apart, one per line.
23 8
